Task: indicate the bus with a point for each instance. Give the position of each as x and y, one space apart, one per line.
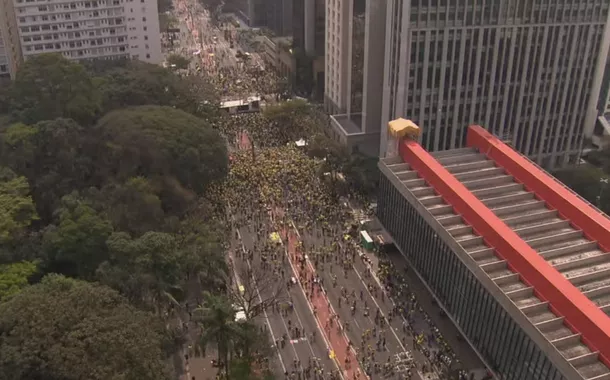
366 240
234 107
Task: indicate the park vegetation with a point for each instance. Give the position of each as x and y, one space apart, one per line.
108 223
590 179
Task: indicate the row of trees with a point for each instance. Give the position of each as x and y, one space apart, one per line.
590 180
296 119
109 219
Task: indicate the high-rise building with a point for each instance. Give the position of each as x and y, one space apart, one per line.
355 41
10 48
308 31
530 71
600 138
516 260
275 15
92 29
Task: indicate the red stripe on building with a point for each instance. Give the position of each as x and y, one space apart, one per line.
566 300
582 216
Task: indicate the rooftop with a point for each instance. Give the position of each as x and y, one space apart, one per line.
545 229
351 124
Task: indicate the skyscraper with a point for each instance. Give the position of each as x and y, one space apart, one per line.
355 40
528 70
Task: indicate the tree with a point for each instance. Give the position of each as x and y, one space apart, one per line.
260 292
201 242
48 86
147 270
55 156
133 206
219 328
291 121
138 83
14 277
5 85
17 210
178 62
163 142
76 246
584 180
362 174
68 329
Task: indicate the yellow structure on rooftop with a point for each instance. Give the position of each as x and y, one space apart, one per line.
402 127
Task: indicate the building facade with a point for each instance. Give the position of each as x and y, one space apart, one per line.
10 48
531 69
518 262
308 31
276 15
354 69
80 30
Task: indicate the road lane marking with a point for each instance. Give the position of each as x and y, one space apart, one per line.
307 302
260 299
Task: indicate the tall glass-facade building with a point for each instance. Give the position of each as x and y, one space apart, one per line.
529 69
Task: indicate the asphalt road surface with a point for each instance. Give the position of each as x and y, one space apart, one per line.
309 344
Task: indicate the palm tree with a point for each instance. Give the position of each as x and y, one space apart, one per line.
219 328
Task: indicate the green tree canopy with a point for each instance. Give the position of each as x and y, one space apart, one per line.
586 181
133 206
17 209
71 330
76 246
14 277
138 83
48 86
161 141
54 155
147 270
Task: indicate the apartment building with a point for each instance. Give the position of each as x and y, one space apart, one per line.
10 49
529 71
85 29
354 67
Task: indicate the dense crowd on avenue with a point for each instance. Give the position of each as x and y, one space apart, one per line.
244 80
275 185
279 175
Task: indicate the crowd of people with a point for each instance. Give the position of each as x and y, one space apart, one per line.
278 174
262 180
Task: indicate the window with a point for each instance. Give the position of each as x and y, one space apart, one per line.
145 38
144 19
147 55
145 28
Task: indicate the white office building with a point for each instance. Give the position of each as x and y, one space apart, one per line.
89 29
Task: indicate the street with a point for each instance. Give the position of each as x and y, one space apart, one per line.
337 320
340 299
